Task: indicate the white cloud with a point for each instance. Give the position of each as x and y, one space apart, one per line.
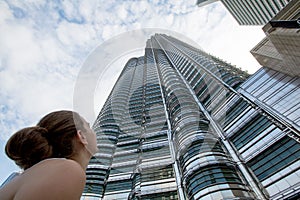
110 31
122 12
139 6
72 34
5 13
87 9
30 73
70 10
52 51
169 19
18 47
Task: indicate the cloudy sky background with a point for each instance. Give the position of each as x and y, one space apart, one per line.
43 45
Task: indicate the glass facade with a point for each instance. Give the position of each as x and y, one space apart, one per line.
182 124
273 154
254 12
251 12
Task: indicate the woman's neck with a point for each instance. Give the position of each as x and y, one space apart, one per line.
83 158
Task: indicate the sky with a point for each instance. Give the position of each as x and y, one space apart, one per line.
44 45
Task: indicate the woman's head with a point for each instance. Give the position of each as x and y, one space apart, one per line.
55 136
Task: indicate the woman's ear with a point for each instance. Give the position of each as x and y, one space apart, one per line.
81 137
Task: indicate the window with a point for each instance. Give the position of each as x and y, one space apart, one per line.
161 196
235 110
157 174
251 129
213 175
275 158
198 147
118 185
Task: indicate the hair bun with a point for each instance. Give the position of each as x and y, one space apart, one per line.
29 146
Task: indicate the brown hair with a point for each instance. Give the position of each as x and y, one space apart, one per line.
53 137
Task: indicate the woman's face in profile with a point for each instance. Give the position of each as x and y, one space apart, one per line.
91 137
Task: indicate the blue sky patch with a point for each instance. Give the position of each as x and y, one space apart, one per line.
18 12
78 20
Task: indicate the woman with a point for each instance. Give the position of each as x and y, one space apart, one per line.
54 155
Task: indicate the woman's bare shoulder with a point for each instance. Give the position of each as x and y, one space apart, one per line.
53 179
57 168
57 163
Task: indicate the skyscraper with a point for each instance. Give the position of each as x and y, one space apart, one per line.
251 12
182 124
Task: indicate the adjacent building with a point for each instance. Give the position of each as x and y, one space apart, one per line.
182 124
280 49
251 12
205 2
10 177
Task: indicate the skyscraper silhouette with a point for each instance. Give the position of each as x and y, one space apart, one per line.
182 124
